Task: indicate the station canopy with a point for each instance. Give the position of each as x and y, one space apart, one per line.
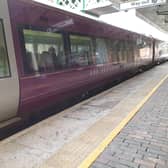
155 12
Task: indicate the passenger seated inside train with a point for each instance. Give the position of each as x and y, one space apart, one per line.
56 58
46 63
28 65
49 61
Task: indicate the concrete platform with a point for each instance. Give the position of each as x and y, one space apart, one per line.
76 136
143 143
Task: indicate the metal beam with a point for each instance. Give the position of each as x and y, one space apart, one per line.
162 10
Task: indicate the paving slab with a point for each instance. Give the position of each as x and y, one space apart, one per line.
143 143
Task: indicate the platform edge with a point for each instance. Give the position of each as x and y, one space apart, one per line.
94 155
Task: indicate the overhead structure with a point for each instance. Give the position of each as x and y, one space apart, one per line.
155 12
157 16
140 4
80 5
102 7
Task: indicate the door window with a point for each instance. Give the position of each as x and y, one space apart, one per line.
4 64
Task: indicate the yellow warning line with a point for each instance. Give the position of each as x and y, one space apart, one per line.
93 156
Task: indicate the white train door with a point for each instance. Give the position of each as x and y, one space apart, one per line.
9 84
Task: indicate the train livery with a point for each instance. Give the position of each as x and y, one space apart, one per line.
48 56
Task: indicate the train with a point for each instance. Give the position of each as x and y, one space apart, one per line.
48 56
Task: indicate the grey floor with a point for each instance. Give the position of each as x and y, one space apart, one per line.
143 143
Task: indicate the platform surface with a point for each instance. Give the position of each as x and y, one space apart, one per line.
68 138
143 143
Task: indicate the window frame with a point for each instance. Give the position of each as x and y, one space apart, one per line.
6 48
105 42
21 29
92 50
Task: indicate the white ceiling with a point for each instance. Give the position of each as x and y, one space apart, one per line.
157 16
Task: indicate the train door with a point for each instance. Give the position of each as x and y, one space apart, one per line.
9 84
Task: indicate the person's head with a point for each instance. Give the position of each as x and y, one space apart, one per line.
51 50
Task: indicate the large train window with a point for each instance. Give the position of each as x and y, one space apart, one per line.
130 51
113 47
101 51
4 64
81 50
44 51
121 51
145 47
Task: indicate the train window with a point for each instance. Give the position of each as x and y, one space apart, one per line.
123 51
130 51
4 64
81 50
144 48
101 51
113 47
110 50
120 48
161 48
44 51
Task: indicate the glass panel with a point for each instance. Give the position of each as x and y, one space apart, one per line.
130 51
101 51
161 48
113 50
4 66
115 46
119 48
44 51
145 48
81 50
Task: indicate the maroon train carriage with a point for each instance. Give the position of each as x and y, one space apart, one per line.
48 56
